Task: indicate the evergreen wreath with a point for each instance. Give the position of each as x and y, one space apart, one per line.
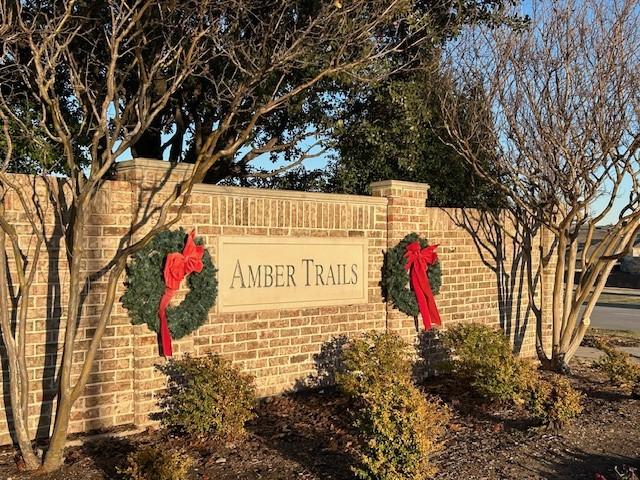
145 286
396 279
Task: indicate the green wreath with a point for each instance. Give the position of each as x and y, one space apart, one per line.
145 286
396 278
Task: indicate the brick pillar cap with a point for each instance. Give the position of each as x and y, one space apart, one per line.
152 164
400 184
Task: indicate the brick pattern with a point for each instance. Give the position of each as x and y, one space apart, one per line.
108 398
277 346
470 289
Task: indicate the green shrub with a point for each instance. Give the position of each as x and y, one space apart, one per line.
617 365
400 431
373 359
157 463
398 427
207 396
554 403
482 357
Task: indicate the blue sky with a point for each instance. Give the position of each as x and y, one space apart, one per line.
621 201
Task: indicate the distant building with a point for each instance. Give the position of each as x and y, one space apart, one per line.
631 263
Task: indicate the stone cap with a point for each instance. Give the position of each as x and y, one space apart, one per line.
151 171
412 192
287 194
404 185
152 165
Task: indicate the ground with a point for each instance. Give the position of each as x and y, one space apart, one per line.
495 444
307 436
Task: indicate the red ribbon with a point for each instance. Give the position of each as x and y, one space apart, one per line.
418 261
177 266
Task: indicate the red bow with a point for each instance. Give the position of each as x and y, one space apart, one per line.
418 261
177 266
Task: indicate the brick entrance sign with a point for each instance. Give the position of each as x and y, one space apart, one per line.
295 270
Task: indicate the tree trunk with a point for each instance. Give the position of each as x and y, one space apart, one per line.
149 145
18 391
54 457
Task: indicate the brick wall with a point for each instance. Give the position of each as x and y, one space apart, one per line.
277 346
478 285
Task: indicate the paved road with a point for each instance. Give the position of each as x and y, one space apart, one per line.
616 318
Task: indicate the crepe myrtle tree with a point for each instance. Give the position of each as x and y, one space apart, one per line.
90 78
562 98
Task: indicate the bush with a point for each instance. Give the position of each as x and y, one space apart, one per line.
398 427
617 365
374 359
482 357
400 430
207 396
157 463
554 403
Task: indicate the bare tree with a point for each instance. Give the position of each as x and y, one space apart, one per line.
562 98
95 75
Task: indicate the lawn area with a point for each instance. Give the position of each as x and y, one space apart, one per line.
622 299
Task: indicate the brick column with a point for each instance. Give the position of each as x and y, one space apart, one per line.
151 180
406 213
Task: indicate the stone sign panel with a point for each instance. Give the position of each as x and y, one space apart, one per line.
259 273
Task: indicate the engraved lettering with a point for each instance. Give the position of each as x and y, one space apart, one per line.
237 273
268 276
254 276
330 276
291 270
279 275
319 270
307 262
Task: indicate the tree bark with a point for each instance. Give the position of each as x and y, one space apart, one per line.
17 390
55 453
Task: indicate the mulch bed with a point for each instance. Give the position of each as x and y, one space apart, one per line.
308 436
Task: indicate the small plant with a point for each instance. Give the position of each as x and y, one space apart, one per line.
554 403
400 431
482 357
207 396
617 365
399 428
375 358
157 463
